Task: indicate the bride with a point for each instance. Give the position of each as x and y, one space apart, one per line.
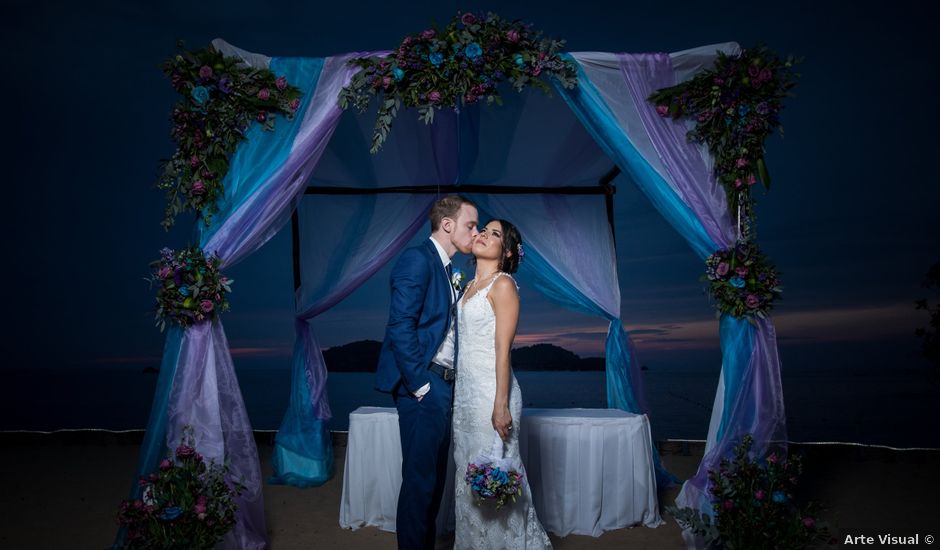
487 396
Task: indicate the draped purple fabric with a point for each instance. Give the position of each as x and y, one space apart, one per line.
753 404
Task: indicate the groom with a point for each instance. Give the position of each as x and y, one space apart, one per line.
417 364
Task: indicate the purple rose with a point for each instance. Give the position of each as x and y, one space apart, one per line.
759 494
206 306
809 522
165 464
205 72
427 34
468 19
294 104
741 271
261 116
740 163
281 83
773 456
165 272
434 96
264 94
198 187
752 301
723 268
512 36
225 85
185 451
537 70
728 504
193 161
765 74
662 110
753 70
386 81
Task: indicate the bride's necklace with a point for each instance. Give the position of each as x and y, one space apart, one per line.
485 278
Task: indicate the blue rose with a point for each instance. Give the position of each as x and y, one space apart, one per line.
520 61
737 282
436 58
184 290
473 50
743 110
398 73
779 497
171 513
200 94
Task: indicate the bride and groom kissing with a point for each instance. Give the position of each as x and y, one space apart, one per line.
445 360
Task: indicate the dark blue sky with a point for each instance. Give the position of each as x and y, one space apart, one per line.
850 220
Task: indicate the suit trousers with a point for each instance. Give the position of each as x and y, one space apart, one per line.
425 439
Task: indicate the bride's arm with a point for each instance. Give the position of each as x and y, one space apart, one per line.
505 300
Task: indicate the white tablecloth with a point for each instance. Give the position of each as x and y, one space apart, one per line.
590 470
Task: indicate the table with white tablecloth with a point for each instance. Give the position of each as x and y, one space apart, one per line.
589 470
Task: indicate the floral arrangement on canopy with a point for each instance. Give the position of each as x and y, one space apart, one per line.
185 503
753 505
190 287
742 281
734 107
461 64
221 98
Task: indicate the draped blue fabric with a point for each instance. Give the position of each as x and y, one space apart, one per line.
344 240
594 113
737 337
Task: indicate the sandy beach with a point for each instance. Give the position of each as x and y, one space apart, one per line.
61 490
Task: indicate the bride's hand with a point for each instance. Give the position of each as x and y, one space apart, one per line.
502 422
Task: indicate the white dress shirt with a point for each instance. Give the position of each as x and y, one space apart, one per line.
445 353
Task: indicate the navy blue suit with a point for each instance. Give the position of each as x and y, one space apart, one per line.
419 317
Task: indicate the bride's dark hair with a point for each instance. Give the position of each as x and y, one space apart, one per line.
512 241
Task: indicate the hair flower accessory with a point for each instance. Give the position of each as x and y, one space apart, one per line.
520 252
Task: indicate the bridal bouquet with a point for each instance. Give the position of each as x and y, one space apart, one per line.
494 478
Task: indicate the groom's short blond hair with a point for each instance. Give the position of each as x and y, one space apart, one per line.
446 207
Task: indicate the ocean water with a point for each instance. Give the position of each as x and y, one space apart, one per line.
865 405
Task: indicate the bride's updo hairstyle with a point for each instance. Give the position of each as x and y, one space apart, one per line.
512 241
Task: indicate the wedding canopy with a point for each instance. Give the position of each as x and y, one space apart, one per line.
537 161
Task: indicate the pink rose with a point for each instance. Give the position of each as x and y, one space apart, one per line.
751 179
198 187
728 504
741 163
468 19
165 464
738 182
512 36
662 110
541 56
537 70
386 81
754 71
264 94
765 74
434 96
193 161
741 271
185 451
809 522
772 458
427 34
752 301
261 116
281 83
165 272
759 494
723 268
205 71
294 104
206 306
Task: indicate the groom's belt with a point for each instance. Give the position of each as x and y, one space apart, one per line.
449 375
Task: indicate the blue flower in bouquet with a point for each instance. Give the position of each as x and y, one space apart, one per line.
737 282
200 94
779 497
520 61
436 58
184 290
398 74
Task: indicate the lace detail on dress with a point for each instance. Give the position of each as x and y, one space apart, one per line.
483 527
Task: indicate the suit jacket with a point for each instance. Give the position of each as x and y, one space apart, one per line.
418 319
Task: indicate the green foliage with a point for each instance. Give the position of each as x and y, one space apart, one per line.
742 281
190 287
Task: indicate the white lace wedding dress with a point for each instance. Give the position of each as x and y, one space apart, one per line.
514 526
